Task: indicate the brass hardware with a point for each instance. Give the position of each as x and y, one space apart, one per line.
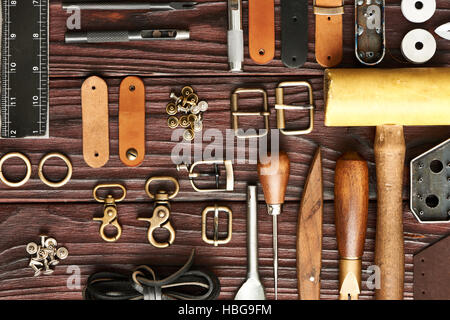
216 174
27 175
281 107
46 255
236 114
41 168
132 154
173 122
109 211
161 211
215 240
349 278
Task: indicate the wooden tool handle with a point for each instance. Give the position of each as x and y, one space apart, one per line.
351 201
389 150
273 174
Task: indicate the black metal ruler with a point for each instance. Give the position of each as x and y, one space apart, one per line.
24 68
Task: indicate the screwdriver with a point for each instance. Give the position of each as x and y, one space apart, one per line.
273 172
129 6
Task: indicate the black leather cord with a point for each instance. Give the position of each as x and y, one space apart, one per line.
185 284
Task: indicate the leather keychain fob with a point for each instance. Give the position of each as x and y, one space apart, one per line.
329 15
94 105
294 32
132 121
261 29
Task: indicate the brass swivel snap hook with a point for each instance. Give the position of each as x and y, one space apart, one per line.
161 211
109 211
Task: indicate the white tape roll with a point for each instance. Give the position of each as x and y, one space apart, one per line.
418 11
418 46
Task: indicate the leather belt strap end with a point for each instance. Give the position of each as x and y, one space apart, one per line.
261 29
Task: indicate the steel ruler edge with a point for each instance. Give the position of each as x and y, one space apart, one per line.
24 81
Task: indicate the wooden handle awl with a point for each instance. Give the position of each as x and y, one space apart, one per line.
273 172
351 201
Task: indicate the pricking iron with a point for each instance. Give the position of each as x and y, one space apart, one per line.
430 185
369 31
194 176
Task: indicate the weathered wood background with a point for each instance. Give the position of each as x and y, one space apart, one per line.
66 213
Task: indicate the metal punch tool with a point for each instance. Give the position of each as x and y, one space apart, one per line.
193 176
129 6
161 211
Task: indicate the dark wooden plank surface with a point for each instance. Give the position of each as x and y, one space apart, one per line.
66 213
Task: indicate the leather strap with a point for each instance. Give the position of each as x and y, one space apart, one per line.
329 31
261 29
132 121
294 32
94 106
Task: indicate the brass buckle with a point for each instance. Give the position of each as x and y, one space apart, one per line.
328 11
216 174
236 114
109 211
281 107
161 211
215 240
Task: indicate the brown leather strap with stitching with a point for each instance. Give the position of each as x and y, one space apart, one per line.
132 121
329 15
94 106
261 29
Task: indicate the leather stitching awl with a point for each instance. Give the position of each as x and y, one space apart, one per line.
94 106
329 15
261 30
132 121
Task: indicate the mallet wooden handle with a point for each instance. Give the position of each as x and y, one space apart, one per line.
351 201
389 150
273 172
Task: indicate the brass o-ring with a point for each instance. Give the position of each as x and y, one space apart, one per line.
27 163
41 172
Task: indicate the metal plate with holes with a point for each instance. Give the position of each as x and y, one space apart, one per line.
430 185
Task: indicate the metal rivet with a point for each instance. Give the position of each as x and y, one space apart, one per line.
132 154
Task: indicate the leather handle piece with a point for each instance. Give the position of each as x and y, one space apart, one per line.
273 172
261 29
389 150
294 33
309 233
94 106
329 43
132 121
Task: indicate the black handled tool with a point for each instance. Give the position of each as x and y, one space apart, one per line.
129 6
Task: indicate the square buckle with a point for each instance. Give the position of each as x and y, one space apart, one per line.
236 114
215 240
281 107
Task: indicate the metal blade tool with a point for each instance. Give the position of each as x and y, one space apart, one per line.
130 6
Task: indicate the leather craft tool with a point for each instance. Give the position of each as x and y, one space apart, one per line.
309 233
418 46
24 69
216 240
186 283
125 36
109 218
27 164
351 203
94 107
443 31
329 41
252 289
130 6
47 255
132 121
369 31
294 33
431 276
161 211
429 197
396 97
273 172
261 30
194 176
418 11
235 36
62 182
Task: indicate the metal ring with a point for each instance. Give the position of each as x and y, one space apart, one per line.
162 178
41 172
27 163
